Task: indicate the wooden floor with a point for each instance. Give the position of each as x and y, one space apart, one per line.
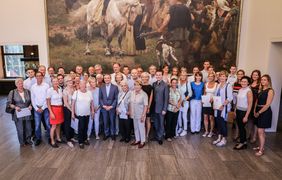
192 157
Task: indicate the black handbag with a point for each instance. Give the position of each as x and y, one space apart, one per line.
8 107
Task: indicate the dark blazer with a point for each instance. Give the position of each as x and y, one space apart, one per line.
112 99
161 96
18 101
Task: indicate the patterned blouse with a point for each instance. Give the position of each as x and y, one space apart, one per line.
174 97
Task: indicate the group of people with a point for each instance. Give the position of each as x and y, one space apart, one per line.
128 101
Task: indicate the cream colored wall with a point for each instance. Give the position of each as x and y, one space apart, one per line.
261 24
261 27
23 22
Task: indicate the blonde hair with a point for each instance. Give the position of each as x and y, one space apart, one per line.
145 74
212 73
139 82
91 79
225 73
66 79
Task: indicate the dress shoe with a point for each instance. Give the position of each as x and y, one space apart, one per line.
135 143
86 143
122 140
105 138
81 146
37 142
113 138
160 142
29 142
127 140
55 145
140 146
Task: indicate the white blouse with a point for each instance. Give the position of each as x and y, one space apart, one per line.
56 97
82 102
242 99
210 92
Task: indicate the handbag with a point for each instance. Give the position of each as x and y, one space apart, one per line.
8 107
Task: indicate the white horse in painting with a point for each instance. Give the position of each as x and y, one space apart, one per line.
119 13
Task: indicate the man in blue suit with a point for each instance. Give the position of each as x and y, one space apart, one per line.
108 97
159 104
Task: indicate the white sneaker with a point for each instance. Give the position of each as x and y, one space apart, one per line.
179 131
216 141
70 144
210 134
184 133
205 134
97 137
221 143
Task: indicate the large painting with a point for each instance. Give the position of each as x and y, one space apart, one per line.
142 32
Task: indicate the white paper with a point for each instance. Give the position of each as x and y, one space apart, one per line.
123 114
217 102
74 124
23 113
206 100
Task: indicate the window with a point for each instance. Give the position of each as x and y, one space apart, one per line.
12 55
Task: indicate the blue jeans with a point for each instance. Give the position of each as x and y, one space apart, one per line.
221 124
109 119
38 117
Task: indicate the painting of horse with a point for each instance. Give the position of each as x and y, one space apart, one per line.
89 32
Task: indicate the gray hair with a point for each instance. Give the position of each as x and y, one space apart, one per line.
18 80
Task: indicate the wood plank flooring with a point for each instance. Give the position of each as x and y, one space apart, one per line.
191 157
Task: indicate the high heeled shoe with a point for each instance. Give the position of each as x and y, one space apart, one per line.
259 153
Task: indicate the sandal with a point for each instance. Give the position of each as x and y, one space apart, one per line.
259 153
256 148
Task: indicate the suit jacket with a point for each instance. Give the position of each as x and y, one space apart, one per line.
17 100
161 96
111 100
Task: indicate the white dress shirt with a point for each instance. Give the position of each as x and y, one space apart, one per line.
29 82
191 78
38 95
205 74
232 79
108 88
152 79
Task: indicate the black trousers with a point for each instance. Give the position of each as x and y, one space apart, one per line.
124 127
82 128
170 124
69 132
241 125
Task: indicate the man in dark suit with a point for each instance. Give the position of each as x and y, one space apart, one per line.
160 102
108 97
